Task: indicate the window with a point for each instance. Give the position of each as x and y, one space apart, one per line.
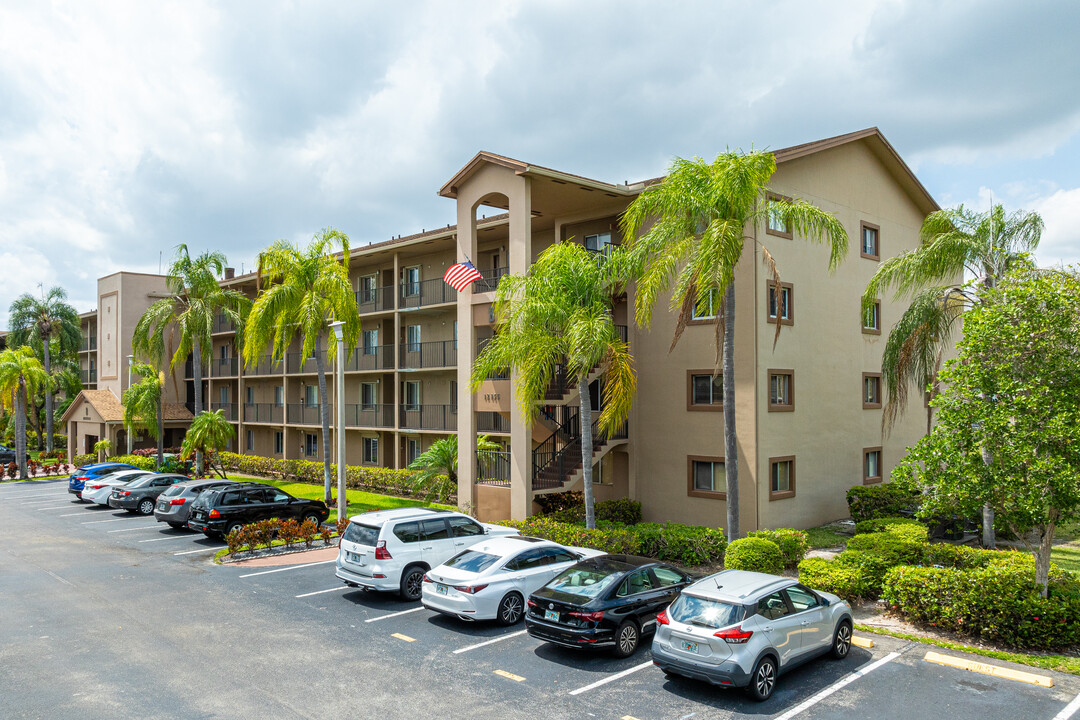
311 394
368 284
638 582
412 337
704 391
871 391
773 607
455 334
781 477
871 321
408 532
250 441
412 395
371 450
279 396
250 391
311 445
801 598
369 395
707 477
785 309
412 450
781 390
531 559
600 243
223 394
776 223
666 576
279 442
410 281
370 341
871 465
435 529
869 246
464 527
707 305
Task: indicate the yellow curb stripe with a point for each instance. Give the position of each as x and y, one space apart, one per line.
510 676
406 638
987 669
862 642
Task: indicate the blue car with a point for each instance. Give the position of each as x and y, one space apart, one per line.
78 479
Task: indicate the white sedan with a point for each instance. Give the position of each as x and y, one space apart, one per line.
98 490
491 579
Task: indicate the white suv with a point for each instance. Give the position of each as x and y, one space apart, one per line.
392 549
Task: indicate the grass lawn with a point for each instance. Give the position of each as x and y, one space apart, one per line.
1067 557
826 536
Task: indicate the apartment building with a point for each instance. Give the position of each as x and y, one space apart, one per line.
808 409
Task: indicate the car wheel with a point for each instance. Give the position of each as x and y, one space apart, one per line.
177 526
412 583
763 679
146 506
312 518
233 526
842 641
627 638
510 609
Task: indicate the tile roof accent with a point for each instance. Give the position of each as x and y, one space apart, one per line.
108 406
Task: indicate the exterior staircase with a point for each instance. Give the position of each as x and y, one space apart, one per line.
557 460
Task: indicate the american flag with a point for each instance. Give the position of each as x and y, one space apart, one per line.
459 276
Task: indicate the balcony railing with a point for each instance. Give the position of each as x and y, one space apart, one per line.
493 467
263 413
88 344
490 279
375 300
437 354
428 417
300 364
223 367
378 416
301 414
264 366
223 324
88 376
230 410
373 357
426 292
487 422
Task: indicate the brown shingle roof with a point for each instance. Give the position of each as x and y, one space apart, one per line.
109 408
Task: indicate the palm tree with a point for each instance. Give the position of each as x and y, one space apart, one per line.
561 312
209 433
51 324
307 288
441 458
954 244
701 213
103 447
186 319
143 406
21 376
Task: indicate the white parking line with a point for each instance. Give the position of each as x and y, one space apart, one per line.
189 552
49 497
95 522
143 527
291 567
72 514
1069 710
320 592
55 507
489 642
839 684
171 537
613 678
395 614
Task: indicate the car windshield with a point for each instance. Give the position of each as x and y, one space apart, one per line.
703 612
361 534
472 561
583 581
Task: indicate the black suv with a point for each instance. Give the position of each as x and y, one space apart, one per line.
217 512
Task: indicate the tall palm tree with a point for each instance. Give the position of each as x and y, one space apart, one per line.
561 312
21 376
50 323
961 255
306 289
183 323
701 214
142 403
209 433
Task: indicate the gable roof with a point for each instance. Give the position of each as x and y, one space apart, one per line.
108 406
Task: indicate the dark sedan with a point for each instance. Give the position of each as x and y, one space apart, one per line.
141 495
607 601
174 505
216 513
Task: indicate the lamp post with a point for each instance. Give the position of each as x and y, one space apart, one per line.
339 390
130 439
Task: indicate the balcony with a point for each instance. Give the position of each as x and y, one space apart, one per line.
263 413
301 414
490 280
88 377
439 354
223 367
493 467
428 417
300 364
372 357
264 366
88 344
426 292
375 300
369 416
222 324
230 409
491 422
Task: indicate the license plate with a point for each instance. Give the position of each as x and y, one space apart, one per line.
551 615
689 646
440 588
161 506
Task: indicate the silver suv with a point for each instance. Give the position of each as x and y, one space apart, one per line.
392 549
742 629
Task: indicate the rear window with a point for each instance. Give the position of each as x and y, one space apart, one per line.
472 561
361 534
173 490
583 582
705 613
140 481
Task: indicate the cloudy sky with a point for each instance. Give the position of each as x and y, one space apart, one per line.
129 127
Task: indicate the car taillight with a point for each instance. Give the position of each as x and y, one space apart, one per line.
470 589
95 487
588 617
178 501
532 603
381 552
214 514
662 618
123 493
735 635
82 478
427 579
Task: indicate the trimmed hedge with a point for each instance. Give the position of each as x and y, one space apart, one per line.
87 459
896 525
756 554
623 511
893 549
143 463
867 502
793 544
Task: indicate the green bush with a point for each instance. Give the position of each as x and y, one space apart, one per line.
554 502
893 549
846 581
80 460
793 544
887 524
754 553
143 463
623 511
867 502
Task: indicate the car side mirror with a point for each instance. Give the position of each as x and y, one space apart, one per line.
825 601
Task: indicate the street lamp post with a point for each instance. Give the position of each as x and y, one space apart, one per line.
130 438
339 387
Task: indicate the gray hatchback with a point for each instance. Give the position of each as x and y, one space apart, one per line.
174 505
742 629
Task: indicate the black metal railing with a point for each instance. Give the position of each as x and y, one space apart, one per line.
493 467
557 458
428 417
490 279
372 357
378 416
488 422
223 367
230 410
303 414
88 344
426 292
438 354
375 300
264 366
88 376
299 364
223 324
263 413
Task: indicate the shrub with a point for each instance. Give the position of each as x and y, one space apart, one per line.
81 460
308 531
554 502
54 455
846 581
235 540
289 532
893 549
867 502
887 524
756 554
623 511
326 533
793 544
143 463
684 544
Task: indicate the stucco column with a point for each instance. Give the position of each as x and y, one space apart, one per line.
466 353
520 251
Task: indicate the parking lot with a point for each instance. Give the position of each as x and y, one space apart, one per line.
107 614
